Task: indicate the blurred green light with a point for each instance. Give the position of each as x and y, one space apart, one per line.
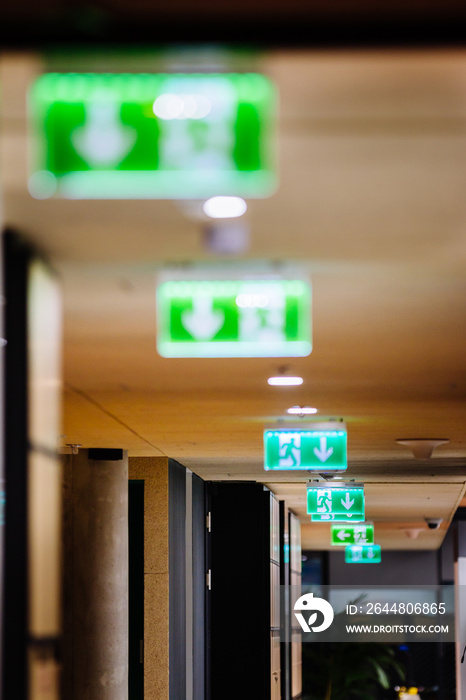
336 518
98 135
204 319
363 554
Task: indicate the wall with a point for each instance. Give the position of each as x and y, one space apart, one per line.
396 568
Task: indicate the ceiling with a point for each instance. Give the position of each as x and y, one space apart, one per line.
372 153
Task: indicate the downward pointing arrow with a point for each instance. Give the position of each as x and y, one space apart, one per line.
103 141
347 503
342 535
203 322
322 453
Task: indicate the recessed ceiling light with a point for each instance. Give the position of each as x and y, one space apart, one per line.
301 410
225 207
284 380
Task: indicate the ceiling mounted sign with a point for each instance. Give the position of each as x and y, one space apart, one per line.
337 518
330 498
181 136
363 554
360 533
317 447
228 318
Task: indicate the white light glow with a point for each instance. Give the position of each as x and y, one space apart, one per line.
251 301
224 207
168 106
203 107
172 105
285 381
301 410
42 184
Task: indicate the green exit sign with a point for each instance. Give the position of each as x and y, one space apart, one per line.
261 318
363 554
309 447
360 533
337 518
334 499
152 136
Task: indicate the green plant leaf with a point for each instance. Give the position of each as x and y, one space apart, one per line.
381 675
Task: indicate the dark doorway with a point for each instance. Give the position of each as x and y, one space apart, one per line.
136 588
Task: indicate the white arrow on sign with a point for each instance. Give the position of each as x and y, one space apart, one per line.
103 141
342 535
322 453
203 322
370 553
347 503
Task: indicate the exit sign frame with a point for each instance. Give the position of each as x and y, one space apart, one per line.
351 533
118 135
329 497
337 518
318 446
253 317
363 554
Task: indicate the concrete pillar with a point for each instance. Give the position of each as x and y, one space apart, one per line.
96 575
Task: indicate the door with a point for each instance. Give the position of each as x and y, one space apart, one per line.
136 589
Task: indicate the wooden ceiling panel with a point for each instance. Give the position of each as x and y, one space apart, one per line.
371 203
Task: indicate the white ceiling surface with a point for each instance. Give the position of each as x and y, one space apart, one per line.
372 169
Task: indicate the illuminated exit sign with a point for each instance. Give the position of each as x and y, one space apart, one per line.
262 318
308 447
360 533
330 498
337 518
152 136
363 554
